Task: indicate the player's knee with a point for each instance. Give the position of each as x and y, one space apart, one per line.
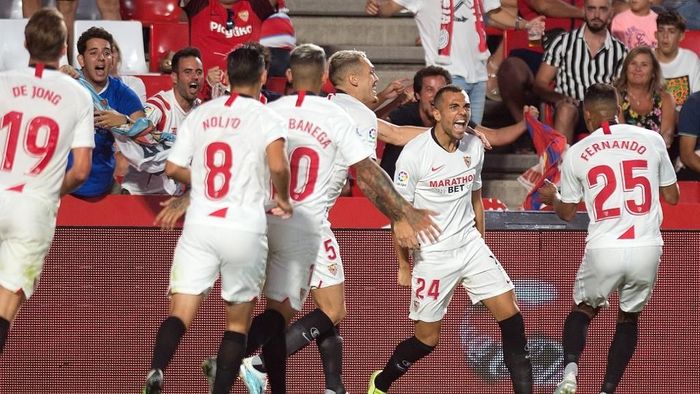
586 309
627 317
429 338
336 313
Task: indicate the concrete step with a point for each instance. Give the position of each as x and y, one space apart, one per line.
392 72
330 8
355 31
388 54
510 163
510 192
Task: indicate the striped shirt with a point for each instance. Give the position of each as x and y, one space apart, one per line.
577 69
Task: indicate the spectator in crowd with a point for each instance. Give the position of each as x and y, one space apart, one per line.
109 10
643 96
134 83
426 82
680 66
689 140
571 63
457 42
166 110
95 58
688 9
635 26
221 25
278 35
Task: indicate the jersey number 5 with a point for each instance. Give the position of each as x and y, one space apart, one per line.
39 141
218 160
630 182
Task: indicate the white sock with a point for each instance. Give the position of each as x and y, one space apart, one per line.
571 368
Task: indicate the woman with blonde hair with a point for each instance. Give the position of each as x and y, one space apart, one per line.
643 96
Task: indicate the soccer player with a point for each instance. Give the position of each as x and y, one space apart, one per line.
45 115
322 138
619 171
224 150
166 110
440 170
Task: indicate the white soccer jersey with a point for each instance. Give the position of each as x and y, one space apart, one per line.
45 114
320 135
225 141
618 175
163 110
367 128
432 178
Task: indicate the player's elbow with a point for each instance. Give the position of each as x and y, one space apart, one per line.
171 169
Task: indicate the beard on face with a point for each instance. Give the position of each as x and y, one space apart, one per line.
596 28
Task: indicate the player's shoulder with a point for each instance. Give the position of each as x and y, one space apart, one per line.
419 143
470 142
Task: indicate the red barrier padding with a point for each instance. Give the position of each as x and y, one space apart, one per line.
156 82
166 37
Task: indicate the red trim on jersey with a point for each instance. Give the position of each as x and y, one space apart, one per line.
221 213
300 97
163 100
18 188
606 127
629 234
231 99
163 114
38 70
262 98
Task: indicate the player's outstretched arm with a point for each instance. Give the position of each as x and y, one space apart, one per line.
550 196
509 134
279 174
408 222
382 8
397 135
79 172
403 277
180 174
670 193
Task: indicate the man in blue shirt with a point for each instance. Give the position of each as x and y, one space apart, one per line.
95 58
689 132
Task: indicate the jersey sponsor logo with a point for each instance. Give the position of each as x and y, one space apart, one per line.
402 178
237 31
452 185
438 168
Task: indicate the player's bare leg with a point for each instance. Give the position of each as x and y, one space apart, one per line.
232 345
331 301
621 350
516 356
427 335
10 302
574 341
183 308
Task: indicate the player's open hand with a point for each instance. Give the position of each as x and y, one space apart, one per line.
548 192
69 70
404 275
109 119
482 137
372 7
283 208
173 209
532 111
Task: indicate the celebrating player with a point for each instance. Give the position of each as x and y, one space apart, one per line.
46 115
231 143
441 170
619 171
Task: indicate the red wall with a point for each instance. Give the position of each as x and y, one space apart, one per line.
91 324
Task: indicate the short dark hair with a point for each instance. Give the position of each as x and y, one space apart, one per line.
308 61
430 71
245 65
93 32
672 18
445 89
184 52
45 35
601 93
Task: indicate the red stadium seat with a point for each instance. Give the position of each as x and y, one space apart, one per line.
277 85
156 82
152 11
166 37
494 204
692 41
517 39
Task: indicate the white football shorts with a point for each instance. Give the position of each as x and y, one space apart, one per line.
630 271
436 275
328 270
290 263
203 252
27 226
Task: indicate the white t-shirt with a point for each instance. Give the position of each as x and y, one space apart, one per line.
223 142
431 178
320 134
682 75
618 175
366 127
163 110
466 59
43 118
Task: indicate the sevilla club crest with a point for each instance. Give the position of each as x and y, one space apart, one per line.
467 160
243 15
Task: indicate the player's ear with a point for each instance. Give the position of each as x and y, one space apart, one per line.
173 76
263 78
436 113
353 79
324 77
288 74
81 60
